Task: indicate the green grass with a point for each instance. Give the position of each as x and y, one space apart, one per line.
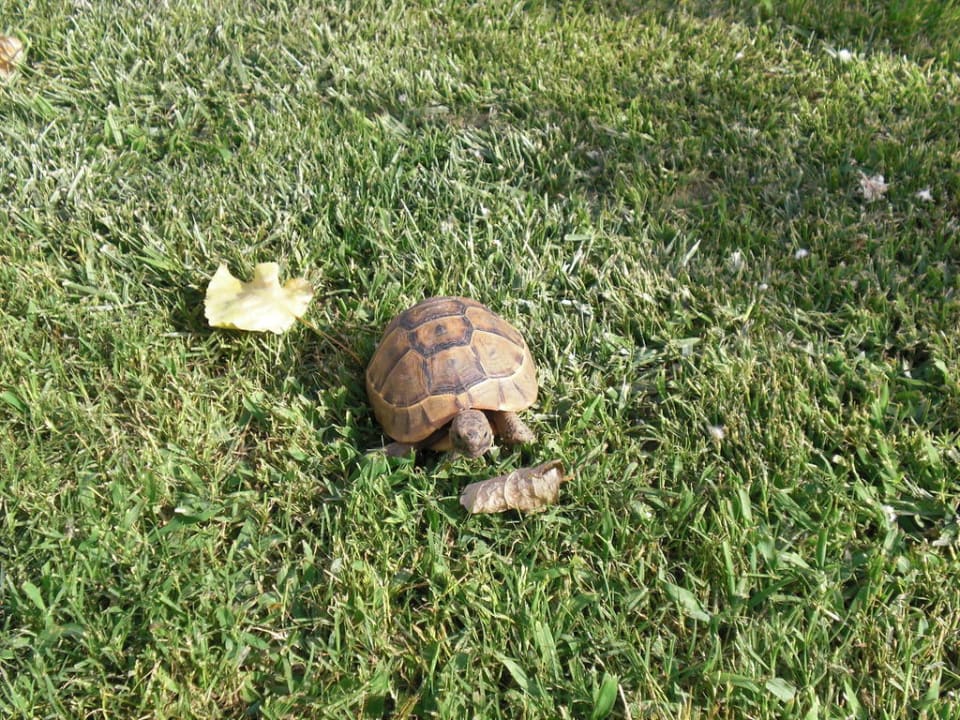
189 524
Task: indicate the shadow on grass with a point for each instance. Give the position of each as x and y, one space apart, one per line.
920 29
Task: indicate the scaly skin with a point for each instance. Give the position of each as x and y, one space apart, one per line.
511 429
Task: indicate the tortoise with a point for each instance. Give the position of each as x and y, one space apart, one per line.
451 374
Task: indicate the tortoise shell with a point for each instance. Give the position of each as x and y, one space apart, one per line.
442 356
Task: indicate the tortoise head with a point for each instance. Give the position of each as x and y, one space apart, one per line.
471 434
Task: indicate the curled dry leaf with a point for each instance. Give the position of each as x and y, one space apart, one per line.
526 489
11 54
260 305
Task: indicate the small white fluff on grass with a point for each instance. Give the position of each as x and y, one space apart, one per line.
736 262
843 55
873 187
717 433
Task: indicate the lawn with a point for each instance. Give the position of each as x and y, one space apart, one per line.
747 342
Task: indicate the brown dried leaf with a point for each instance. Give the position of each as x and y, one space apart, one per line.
525 489
11 54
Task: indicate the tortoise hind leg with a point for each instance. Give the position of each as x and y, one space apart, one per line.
511 429
398 449
439 440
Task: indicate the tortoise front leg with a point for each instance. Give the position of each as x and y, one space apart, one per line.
511 429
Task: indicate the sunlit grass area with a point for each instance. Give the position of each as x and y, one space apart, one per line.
730 233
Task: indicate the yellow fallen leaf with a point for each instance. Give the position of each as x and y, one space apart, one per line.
260 305
11 54
525 489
